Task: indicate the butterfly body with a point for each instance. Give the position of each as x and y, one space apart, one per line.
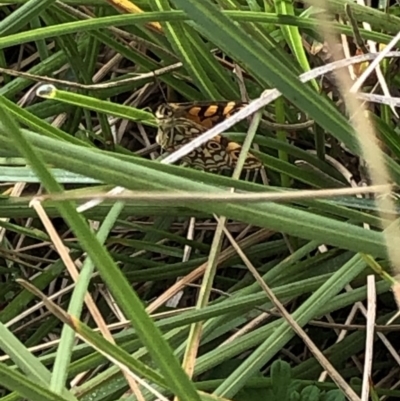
180 123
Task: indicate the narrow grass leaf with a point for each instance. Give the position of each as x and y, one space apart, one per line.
90 103
26 388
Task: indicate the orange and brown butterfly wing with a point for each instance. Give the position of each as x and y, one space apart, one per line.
205 113
251 162
212 156
180 123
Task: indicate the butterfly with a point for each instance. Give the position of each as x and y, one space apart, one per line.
180 123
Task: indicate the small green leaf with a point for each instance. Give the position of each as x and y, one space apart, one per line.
333 395
281 377
310 393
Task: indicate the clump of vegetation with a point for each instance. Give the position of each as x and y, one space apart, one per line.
245 265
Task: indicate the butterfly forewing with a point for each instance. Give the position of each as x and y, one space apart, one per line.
206 114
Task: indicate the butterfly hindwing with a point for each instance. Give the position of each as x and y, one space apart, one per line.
180 123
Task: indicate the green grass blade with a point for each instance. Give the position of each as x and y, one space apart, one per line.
26 388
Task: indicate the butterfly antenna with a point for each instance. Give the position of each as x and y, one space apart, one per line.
157 81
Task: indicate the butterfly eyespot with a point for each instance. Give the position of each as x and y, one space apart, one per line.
213 145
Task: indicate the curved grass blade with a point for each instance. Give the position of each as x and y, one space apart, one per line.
26 388
238 16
